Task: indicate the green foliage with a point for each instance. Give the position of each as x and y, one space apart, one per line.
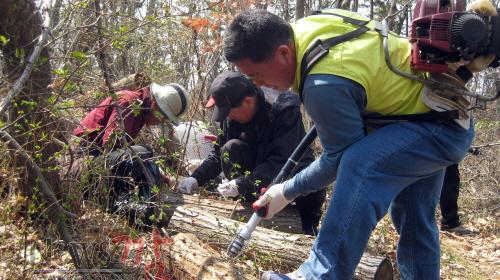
81 56
4 40
63 71
30 105
225 156
155 189
136 109
487 124
19 53
98 95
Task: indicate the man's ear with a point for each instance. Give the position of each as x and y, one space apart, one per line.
284 54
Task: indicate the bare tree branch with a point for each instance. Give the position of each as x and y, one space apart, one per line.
57 214
101 53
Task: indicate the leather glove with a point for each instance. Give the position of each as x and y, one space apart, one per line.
273 199
480 63
188 185
228 189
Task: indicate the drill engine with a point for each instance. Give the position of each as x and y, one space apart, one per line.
442 32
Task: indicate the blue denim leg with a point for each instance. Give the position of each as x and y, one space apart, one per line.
413 214
372 173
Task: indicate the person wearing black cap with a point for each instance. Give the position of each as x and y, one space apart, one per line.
260 130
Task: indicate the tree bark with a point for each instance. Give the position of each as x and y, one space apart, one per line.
22 24
286 250
299 9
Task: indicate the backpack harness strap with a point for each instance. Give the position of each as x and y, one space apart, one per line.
320 48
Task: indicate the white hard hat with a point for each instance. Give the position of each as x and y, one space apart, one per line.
172 100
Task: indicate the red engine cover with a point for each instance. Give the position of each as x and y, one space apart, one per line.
430 30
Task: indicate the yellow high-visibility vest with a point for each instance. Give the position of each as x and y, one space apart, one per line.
362 60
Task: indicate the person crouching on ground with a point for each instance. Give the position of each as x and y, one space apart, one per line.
260 130
100 129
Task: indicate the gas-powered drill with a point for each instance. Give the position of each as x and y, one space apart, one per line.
238 242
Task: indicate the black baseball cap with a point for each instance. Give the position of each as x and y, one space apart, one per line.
228 90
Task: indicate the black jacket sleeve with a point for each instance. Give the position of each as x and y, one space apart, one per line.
285 133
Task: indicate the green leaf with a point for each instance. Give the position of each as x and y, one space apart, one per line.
123 29
4 40
30 104
52 99
63 71
162 140
19 53
43 59
79 55
70 86
67 104
150 18
155 189
99 95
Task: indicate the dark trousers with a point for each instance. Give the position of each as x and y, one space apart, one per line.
126 176
237 157
449 198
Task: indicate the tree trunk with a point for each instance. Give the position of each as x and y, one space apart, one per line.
354 6
21 24
391 21
299 9
371 9
286 12
343 4
190 259
286 250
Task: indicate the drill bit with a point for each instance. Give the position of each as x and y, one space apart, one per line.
238 243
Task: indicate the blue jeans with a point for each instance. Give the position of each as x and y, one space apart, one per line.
398 168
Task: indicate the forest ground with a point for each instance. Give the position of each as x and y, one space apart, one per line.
475 256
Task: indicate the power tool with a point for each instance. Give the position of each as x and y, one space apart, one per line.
442 32
238 243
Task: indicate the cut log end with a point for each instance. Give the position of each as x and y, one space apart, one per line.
374 267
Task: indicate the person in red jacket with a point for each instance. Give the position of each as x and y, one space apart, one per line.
101 129
150 105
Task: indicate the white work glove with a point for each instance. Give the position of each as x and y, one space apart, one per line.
273 199
193 164
228 189
188 185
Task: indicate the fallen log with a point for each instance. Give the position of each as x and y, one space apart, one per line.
284 251
288 220
132 82
189 259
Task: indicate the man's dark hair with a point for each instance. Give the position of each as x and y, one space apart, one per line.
255 34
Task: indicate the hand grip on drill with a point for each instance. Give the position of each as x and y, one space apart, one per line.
271 201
